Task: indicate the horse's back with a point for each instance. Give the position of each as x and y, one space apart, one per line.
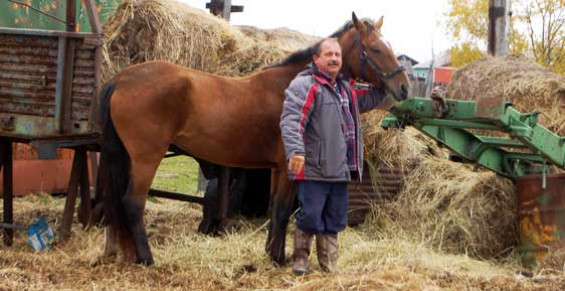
220 119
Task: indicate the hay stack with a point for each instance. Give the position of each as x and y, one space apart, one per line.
145 30
445 205
452 208
286 39
394 147
516 79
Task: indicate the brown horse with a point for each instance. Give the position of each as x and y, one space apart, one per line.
227 121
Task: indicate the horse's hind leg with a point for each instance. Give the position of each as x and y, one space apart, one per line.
110 243
280 207
142 173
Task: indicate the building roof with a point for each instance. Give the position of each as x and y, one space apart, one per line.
441 60
403 57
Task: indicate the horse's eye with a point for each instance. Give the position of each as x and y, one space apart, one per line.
375 50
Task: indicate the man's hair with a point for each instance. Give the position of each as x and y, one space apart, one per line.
317 49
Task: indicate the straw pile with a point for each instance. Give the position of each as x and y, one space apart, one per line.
394 147
454 209
517 79
445 205
286 39
144 30
186 260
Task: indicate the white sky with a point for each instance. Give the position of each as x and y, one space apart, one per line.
411 26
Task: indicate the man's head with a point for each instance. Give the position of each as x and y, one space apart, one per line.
327 57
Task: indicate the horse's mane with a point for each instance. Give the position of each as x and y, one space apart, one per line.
306 54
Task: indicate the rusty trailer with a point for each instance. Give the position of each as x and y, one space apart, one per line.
48 97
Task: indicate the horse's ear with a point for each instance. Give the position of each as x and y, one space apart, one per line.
359 25
379 23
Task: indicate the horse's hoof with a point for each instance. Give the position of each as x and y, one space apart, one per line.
101 260
146 262
229 225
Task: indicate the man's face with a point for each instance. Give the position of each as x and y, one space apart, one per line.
329 60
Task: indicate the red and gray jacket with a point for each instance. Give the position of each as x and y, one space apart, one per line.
312 125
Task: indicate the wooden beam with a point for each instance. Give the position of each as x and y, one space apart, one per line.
176 196
223 8
226 11
93 16
6 162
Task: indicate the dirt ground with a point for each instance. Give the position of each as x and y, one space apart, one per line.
186 260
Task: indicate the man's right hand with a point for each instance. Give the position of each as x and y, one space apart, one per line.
296 163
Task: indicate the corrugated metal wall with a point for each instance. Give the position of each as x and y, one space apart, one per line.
384 183
31 91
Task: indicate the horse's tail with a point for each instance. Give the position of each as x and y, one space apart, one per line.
115 164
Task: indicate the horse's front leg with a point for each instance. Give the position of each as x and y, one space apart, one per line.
110 246
280 209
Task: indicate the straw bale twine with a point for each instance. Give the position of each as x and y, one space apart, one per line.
517 79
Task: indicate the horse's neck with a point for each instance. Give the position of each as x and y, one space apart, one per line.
348 47
278 78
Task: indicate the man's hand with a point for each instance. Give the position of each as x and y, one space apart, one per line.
296 163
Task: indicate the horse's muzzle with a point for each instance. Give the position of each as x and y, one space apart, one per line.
403 92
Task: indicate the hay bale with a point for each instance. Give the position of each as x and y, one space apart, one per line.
286 39
394 147
247 60
145 30
453 208
516 79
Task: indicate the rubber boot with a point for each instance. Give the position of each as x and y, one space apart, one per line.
327 249
300 257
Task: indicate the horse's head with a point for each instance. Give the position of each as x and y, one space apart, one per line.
368 56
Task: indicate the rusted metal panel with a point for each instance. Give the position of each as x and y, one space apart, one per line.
489 107
541 213
32 91
386 182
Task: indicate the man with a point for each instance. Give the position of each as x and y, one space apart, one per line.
323 145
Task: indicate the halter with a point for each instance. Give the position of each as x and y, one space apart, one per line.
366 60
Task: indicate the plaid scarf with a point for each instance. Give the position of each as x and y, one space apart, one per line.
349 128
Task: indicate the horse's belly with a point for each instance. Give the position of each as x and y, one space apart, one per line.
244 151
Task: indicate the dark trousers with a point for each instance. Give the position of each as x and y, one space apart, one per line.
323 206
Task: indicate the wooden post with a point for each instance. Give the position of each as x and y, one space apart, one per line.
7 184
85 205
499 26
227 10
223 8
78 180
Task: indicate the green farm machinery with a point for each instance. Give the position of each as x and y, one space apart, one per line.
522 150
